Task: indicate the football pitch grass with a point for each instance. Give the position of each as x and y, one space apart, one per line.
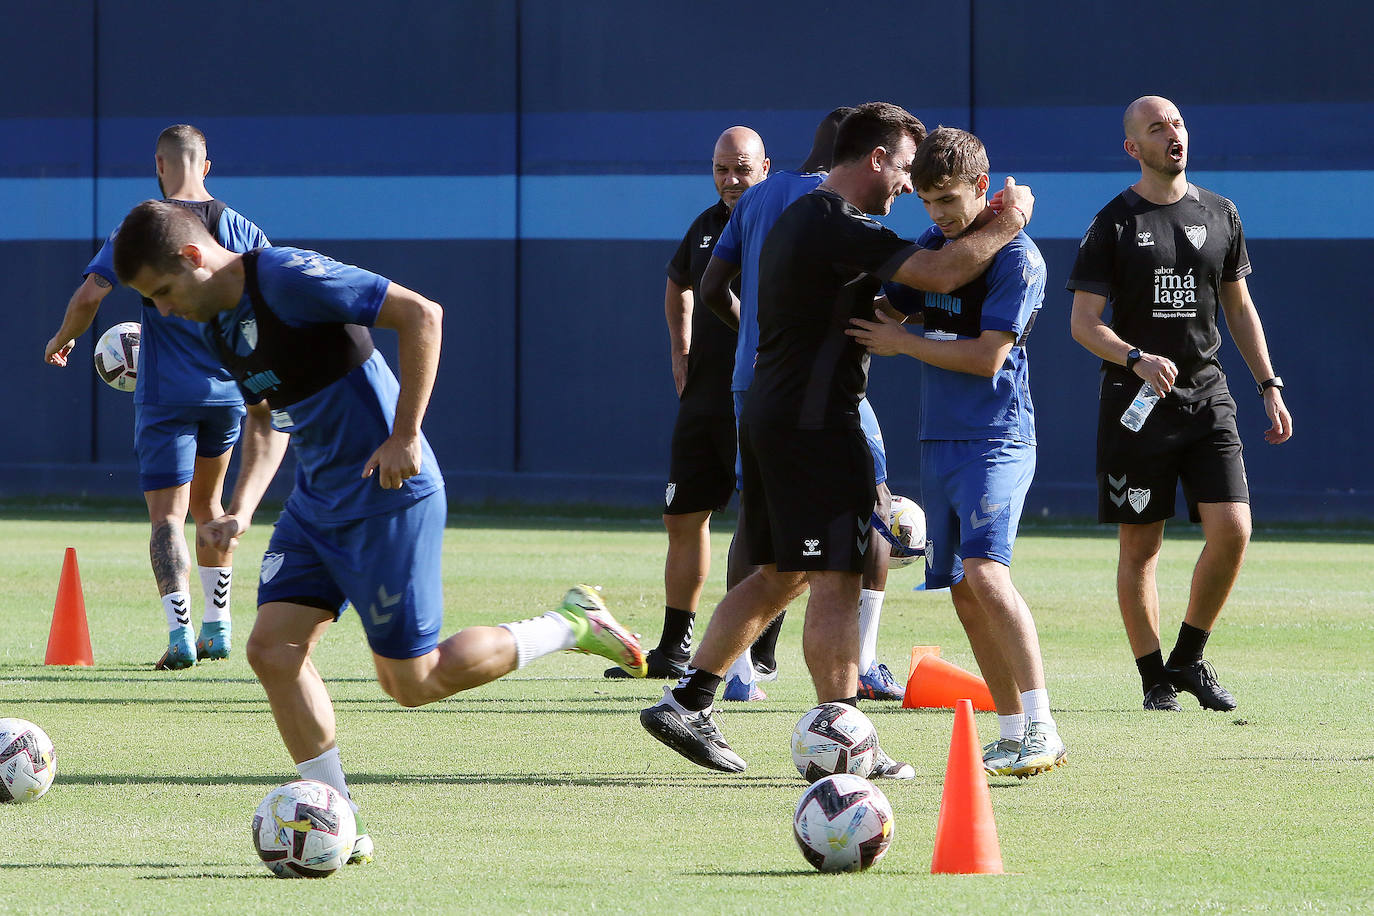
541 793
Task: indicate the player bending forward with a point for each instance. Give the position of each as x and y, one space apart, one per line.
292 326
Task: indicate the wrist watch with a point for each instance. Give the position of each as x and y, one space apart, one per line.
1133 357
1268 383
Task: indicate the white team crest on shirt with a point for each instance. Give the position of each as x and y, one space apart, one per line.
669 493
1139 499
1197 235
248 327
271 564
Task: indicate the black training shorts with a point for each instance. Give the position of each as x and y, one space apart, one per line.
807 497
1138 472
701 473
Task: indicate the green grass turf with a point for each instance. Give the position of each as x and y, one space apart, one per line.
540 793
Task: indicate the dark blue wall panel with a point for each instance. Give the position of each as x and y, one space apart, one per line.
544 130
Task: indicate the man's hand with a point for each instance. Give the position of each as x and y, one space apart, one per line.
395 460
1281 423
1013 195
222 533
1159 371
884 336
55 354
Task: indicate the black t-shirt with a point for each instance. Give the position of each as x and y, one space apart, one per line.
1161 267
711 358
821 264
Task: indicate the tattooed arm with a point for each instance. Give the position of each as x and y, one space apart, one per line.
81 309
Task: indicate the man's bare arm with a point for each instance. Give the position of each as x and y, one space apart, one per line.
81 309
715 291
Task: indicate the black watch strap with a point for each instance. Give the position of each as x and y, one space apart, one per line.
1268 383
1132 358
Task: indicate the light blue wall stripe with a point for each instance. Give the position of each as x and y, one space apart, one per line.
1274 205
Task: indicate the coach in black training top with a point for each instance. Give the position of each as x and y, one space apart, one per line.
1166 255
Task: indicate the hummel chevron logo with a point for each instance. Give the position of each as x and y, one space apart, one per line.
182 612
1116 490
990 511
385 600
310 265
864 525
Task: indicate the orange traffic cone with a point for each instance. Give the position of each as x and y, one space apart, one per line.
936 684
918 653
69 640
966 836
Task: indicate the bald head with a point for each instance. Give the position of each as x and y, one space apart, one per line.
738 162
1146 110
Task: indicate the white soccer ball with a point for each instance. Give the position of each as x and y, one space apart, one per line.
906 534
116 356
834 738
304 829
28 762
843 823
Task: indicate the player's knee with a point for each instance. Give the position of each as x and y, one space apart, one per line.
273 660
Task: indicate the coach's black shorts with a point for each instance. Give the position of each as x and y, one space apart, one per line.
701 472
808 496
1138 473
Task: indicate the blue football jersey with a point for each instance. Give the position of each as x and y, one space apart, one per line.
175 369
337 428
1006 297
741 243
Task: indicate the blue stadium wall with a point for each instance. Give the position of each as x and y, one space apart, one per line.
531 165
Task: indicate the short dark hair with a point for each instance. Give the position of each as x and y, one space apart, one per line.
948 154
875 124
182 138
152 235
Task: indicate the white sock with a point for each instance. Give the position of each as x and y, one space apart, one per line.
327 769
214 582
743 668
1013 727
1036 703
177 607
870 610
538 636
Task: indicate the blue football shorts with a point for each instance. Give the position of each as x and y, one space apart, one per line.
386 566
168 440
973 494
868 422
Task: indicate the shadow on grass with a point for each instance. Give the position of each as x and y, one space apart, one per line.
656 780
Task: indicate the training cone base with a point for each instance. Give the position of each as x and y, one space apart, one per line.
69 640
936 684
966 835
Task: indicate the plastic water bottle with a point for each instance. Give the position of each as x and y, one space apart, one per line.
1145 401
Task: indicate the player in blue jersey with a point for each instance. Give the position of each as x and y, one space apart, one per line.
736 255
365 520
977 440
187 412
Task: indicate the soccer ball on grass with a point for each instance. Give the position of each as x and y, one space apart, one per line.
834 738
843 823
304 829
28 762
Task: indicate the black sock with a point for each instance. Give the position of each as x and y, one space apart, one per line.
698 690
676 641
848 701
1188 649
1151 668
765 648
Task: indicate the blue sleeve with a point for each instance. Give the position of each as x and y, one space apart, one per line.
727 246
1016 287
103 262
904 299
238 233
305 287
